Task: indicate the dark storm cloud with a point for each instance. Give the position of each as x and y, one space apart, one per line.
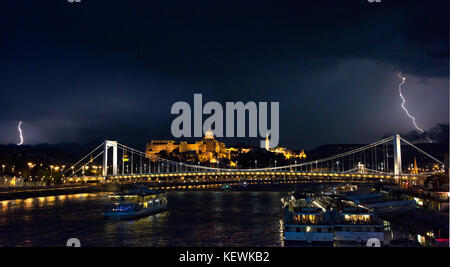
113 68
439 134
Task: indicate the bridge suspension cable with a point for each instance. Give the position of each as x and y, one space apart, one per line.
364 159
82 167
87 155
266 168
420 150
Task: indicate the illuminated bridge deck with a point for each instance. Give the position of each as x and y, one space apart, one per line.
238 175
374 162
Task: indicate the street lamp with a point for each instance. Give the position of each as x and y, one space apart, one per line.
30 166
57 168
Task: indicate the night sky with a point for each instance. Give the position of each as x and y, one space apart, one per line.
78 72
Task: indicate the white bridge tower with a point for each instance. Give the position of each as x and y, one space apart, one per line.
397 156
107 145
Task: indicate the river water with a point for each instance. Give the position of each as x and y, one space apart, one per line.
194 218
198 218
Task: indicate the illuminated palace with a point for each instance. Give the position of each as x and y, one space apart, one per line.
209 150
205 150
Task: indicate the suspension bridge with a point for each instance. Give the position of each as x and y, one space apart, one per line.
381 160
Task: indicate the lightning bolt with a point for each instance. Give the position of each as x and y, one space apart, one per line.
407 112
20 133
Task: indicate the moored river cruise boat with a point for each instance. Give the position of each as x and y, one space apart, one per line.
305 220
355 223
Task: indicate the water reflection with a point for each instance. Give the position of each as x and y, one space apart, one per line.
194 218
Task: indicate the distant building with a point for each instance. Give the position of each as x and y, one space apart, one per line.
208 150
205 150
415 170
6 182
288 154
361 168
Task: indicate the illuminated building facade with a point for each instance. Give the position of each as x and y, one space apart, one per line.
415 170
205 150
288 154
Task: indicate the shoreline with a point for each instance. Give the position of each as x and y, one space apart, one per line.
45 192
68 190
95 188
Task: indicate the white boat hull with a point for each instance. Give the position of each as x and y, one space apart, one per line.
308 237
357 236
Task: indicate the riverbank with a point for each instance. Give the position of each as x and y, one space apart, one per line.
22 193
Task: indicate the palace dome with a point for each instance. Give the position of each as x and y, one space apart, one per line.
209 134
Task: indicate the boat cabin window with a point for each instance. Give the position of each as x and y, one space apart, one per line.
357 218
308 218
